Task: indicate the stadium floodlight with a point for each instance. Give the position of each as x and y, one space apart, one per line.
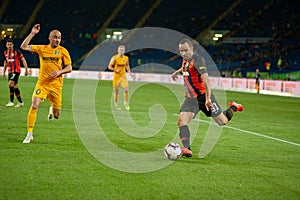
117 33
218 35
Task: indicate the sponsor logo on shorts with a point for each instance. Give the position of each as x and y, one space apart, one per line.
214 108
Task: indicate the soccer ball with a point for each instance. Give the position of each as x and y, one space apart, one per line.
173 151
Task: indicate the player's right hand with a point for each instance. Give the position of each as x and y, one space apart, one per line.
174 76
36 29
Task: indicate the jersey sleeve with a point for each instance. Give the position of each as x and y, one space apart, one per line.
36 49
20 55
66 58
112 61
199 64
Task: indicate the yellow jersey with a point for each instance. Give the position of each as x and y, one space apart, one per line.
51 60
120 63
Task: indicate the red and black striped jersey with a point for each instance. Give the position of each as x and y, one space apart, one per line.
191 71
12 59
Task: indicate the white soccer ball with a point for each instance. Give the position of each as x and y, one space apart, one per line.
173 151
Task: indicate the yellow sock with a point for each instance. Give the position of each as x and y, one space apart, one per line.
126 97
31 118
115 97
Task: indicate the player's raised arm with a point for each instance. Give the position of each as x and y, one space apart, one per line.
25 44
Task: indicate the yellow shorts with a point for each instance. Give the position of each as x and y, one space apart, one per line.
122 81
53 94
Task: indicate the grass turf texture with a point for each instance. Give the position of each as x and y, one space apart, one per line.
241 165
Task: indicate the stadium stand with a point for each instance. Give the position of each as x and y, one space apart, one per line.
276 21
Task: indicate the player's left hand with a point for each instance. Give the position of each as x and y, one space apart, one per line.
132 75
55 74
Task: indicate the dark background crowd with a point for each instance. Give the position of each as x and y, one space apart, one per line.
256 34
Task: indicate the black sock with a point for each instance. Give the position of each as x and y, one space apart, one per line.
184 134
11 93
17 92
233 108
229 112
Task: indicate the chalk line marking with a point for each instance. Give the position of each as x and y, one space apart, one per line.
251 132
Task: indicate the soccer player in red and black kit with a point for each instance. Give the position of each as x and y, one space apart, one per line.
198 94
12 59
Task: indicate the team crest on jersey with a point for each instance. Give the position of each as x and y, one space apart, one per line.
186 65
38 91
57 52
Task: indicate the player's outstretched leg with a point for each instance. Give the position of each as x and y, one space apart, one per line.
239 107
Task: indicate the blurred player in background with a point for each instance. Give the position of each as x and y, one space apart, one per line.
198 94
257 81
119 63
50 81
12 59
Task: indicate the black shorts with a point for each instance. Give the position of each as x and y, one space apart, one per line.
196 104
14 77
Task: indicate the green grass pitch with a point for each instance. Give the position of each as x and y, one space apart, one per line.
256 157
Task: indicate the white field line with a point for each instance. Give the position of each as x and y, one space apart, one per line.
251 132
226 126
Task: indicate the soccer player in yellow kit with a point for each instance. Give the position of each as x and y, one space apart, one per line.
119 63
50 81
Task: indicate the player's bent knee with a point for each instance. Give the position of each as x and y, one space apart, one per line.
34 106
221 121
